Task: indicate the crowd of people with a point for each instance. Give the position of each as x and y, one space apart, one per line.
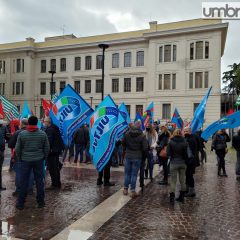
179 152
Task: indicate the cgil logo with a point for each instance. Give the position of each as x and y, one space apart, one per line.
221 10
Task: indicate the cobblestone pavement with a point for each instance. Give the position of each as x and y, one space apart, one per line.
213 214
78 196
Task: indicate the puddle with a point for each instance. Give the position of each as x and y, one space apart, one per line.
7 229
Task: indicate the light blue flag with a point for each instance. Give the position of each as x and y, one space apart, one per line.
26 112
106 125
198 118
230 121
123 110
69 112
177 119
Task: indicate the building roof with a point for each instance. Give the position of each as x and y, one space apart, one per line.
154 30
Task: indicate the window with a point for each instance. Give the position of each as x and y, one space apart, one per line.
115 60
52 88
191 80
77 86
127 59
198 79
174 81
206 79
127 84
140 58
128 107
167 53
115 85
139 84
99 86
191 51
166 111
160 82
2 67
43 66
63 64
161 54
22 65
62 85
199 50
42 88
18 65
13 88
53 65
18 87
88 63
174 53
87 86
195 105
99 62
167 81
139 109
206 50
77 63
2 88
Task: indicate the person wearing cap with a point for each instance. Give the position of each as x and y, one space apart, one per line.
32 149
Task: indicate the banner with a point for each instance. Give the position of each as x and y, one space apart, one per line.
26 112
198 118
69 112
106 124
9 109
177 119
230 121
148 114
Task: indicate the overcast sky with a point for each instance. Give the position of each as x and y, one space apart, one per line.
41 18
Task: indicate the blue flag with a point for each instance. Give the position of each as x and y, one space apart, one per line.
69 112
148 114
139 118
106 125
198 118
123 110
230 121
177 119
26 112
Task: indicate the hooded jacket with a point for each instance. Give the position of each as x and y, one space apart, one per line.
135 143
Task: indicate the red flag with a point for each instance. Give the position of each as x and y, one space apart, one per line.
2 116
230 111
46 107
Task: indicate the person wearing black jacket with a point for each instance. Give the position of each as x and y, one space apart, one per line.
236 145
56 147
192 163
2 148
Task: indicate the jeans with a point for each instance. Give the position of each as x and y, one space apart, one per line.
238 164
79 148
150 165
25 172
17 169
165 168
189 176
180 171
54 169
131 169
105 173
1 164
71 152
221 161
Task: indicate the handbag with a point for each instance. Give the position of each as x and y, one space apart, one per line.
163 152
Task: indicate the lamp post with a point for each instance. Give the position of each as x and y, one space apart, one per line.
51 85
103 47
91 98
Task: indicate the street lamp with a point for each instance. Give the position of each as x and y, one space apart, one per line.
51 85
91 98
103 47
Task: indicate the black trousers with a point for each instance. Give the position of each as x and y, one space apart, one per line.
189 176
221 163
1 164
165 168
54 167
105 173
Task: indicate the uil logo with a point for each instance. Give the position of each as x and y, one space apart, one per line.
66 108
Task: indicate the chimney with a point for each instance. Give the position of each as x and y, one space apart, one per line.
153 26
30 39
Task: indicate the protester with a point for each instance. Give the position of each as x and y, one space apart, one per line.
220 146
202 147
236 145
32 149
177 151
70 151
87 147
56 147
152 137
17 163
2 148
135 145
192 162
162 143
80 139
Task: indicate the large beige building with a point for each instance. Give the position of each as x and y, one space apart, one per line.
171 64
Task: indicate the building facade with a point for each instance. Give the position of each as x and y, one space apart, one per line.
171 64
